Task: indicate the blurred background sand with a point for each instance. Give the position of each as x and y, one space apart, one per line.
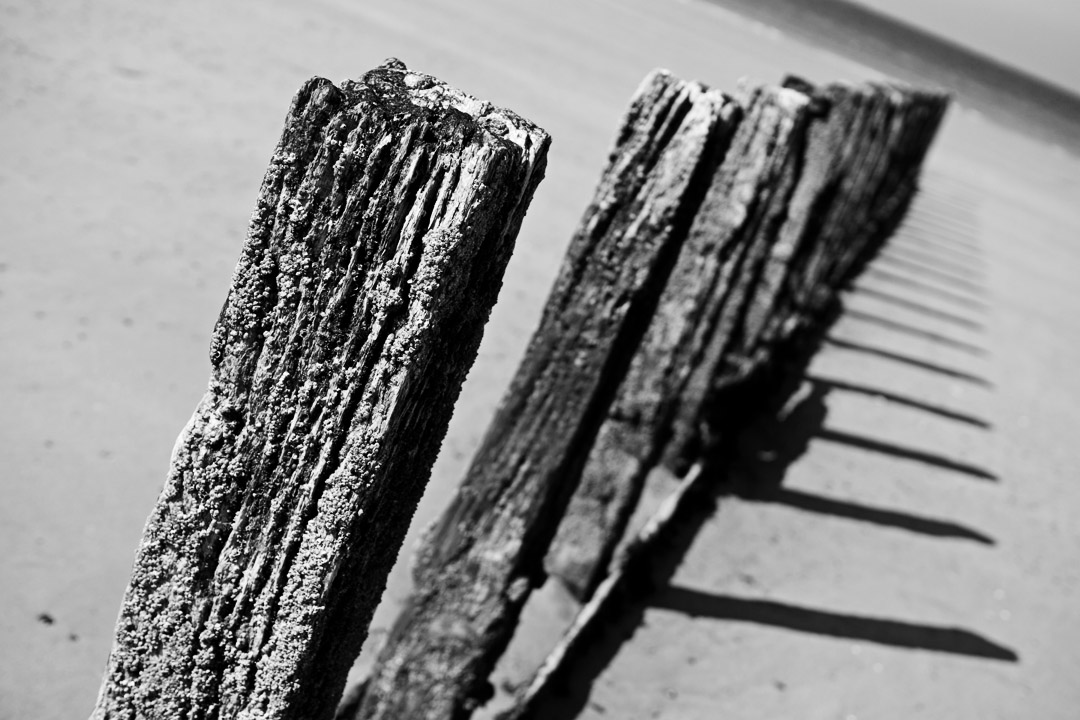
134 137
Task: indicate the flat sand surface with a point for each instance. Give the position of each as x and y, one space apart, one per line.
921 557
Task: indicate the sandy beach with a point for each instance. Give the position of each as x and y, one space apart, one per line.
920 559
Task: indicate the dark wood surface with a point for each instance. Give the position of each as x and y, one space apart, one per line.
478 563
824 174
698 265
374 256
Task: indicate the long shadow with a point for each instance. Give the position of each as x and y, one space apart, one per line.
877 516
948 218
936 242
967 270
918 307
927 270
943 218
942 238
908 360
943 229
898 399
885 448
946 270
772 445
905 281
939 245
929 242
951 210
913 331
955 641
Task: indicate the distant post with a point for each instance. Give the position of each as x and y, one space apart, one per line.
375 253
814 182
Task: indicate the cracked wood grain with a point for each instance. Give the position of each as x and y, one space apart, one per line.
862 151
687 335
478 563
815 179
374 256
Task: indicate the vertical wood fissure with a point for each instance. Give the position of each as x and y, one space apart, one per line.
803 191
334 373
477 563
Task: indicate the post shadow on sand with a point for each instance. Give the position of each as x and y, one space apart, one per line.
770 447
937 245
914 331
938 275
942 226
898 399
763 453
894 450
894 278
821 622
915 362
945 230
940 241
918 307
967 270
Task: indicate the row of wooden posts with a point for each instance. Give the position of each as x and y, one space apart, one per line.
721 231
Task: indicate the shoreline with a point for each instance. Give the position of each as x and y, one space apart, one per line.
1005 94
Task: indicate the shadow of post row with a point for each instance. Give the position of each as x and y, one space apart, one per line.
956 641
918 307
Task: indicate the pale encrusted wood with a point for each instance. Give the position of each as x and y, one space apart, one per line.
374 255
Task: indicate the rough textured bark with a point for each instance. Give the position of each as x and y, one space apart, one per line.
375 253
478 563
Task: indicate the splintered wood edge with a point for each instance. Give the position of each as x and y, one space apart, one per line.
430 92
676 137
592 612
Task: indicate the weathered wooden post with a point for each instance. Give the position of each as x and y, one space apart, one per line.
857 159
478 563
718 240
374 256
815 180
695 321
